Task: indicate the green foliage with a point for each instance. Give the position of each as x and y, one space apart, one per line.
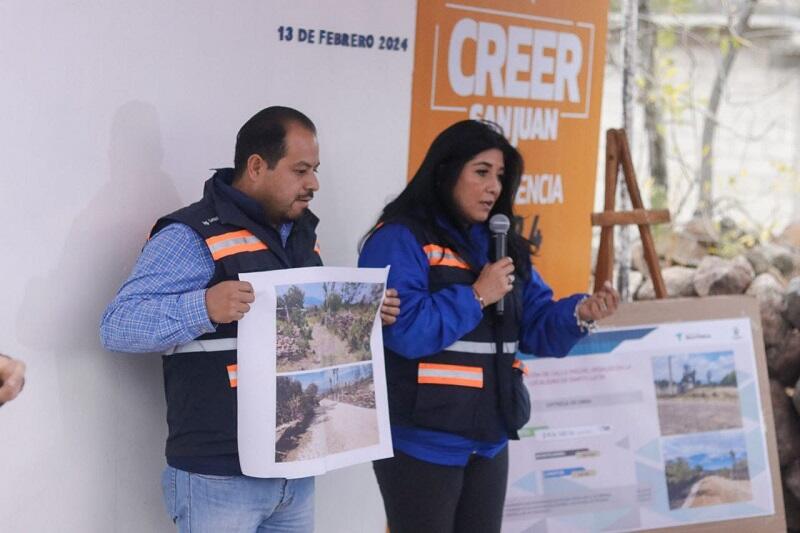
375 293
349 292
294 404
666 38
733 242
679 472
729 379
291 304
661 6
333 302
658 197
357 336
673 6
293 299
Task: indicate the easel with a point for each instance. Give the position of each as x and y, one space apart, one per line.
618 154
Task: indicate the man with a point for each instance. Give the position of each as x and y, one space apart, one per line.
12 378
184 298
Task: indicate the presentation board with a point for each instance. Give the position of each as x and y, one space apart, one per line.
661 419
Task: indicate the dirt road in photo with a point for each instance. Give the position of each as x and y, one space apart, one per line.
331 349
336 427
681 415
714 490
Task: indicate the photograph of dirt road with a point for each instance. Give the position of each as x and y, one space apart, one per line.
326 412
325 324
696 393
706 469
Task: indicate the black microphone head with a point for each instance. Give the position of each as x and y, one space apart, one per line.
499 223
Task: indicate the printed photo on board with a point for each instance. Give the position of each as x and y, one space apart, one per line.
696 392
324 324
706 469
326 412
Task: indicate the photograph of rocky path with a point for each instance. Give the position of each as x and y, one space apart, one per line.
326 412
325 324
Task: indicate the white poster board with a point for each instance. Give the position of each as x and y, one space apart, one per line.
658 421
311 383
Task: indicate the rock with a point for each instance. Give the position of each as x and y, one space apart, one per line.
677 279
783 280
637 254
787 426
792 302
783 359
792 507
703 231
741 263
758 259
637 258
781 257
768 290
791 479
721 276
731 234
767 287
796 397
635 279
790 235
684 248
774 326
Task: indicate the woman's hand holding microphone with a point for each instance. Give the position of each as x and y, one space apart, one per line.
495 281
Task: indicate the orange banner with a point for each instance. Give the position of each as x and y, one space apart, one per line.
536 69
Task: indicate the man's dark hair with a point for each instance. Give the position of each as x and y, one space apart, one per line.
265 134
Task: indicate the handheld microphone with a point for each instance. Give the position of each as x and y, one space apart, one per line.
499 226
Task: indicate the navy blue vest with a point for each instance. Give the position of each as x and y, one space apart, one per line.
200 377
468 387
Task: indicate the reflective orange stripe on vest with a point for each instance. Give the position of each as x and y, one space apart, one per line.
441 374
521 366
233 375
441 256
234 242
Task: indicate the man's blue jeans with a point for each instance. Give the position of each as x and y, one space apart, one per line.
200 503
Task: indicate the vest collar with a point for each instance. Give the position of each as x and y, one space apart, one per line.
242 212
475 249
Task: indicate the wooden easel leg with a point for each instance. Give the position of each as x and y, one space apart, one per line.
605 253
651 257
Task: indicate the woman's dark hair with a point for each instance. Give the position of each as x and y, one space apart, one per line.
429 194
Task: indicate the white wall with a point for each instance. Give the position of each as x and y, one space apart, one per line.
112 114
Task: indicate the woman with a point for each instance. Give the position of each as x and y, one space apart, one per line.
455 389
